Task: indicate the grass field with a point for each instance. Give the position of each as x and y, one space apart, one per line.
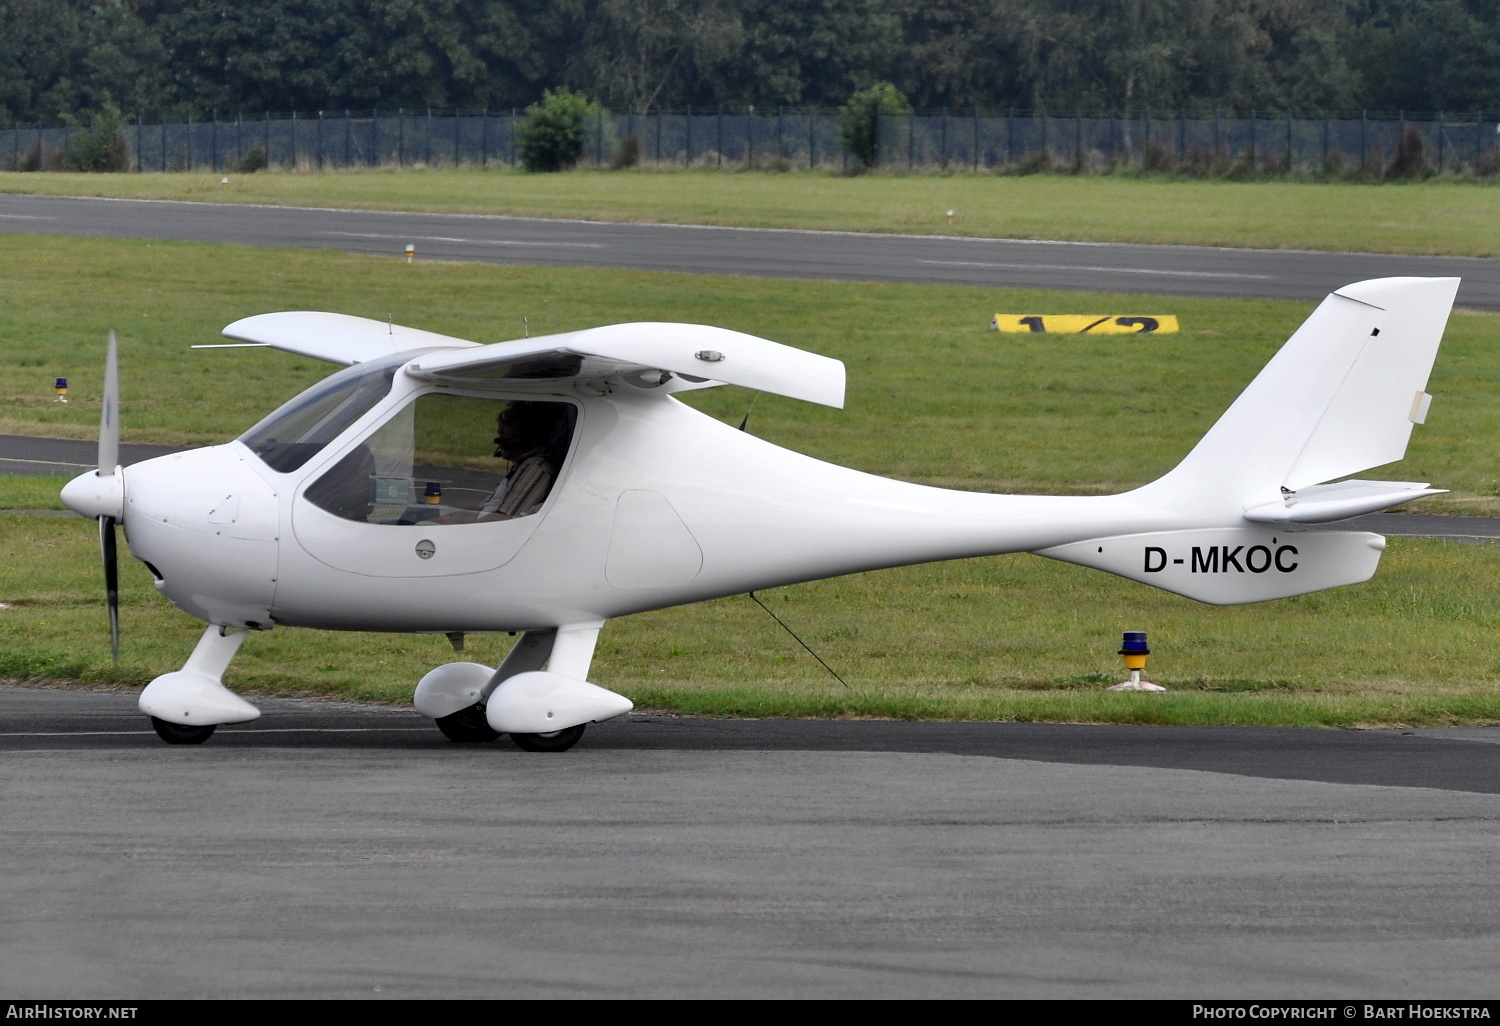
933 397
1445 217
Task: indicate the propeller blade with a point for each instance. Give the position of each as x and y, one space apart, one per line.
111 582
109 416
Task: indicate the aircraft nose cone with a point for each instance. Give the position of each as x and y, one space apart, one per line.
96 496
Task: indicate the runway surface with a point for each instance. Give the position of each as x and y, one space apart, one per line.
775 253
330 849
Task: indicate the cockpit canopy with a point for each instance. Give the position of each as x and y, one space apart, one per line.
440 458
451 459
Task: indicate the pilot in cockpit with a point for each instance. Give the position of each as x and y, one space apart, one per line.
533 437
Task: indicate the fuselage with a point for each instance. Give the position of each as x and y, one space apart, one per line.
655 505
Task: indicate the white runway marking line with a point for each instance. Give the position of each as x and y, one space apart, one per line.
472 242
43 463
27 217
1112 270
257 730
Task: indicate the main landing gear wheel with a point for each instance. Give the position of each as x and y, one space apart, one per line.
467 725
181 733
552 741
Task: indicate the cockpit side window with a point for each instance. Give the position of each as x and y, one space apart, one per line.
300 429
449 459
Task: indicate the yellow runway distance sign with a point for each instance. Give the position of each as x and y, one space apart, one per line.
1086 324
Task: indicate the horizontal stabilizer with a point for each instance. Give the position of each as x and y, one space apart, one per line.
1323 504
337 338
646 356
1229 566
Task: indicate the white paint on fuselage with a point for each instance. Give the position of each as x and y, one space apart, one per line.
757 515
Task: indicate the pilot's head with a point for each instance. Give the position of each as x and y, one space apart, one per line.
522 427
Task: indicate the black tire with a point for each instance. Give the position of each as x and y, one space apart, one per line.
467 725
552 741
181 733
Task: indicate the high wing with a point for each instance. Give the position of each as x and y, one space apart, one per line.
648 355
337 338
672 357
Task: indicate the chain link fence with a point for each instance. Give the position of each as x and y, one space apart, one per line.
1375 145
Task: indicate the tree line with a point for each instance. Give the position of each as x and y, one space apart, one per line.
169 58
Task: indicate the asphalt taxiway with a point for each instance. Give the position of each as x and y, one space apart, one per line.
331 849
773 253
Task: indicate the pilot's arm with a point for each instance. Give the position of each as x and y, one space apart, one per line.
521 493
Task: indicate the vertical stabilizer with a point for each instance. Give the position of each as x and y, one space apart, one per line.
1340 397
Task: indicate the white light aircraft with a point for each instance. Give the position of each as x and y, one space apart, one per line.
373 501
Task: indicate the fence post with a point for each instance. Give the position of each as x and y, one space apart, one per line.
1010 136
780 139
812 143
513 153
658 134
1046 148
1078 141
348 133
911 139
1364 139
484 137
750 139
1326 124
719 143
1440 141
976 139
163 141
1478 133
374 135
688 155
139 121
1252 141
400 136
1400 131
1288 142
294 140
265 137
1181 135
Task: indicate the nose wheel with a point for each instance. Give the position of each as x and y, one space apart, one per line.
181 733
552 741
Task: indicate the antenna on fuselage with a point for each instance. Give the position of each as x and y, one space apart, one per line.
756 599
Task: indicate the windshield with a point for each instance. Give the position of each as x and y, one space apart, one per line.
297 431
